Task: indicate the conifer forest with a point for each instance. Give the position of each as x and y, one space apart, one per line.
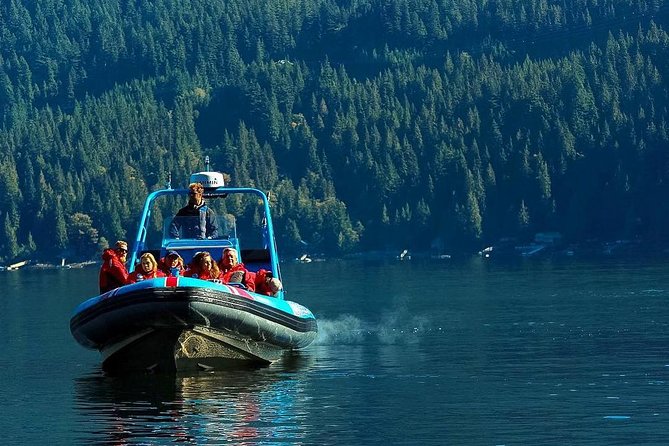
375 124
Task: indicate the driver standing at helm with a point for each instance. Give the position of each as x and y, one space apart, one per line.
196 219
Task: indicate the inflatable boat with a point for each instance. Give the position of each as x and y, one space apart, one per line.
183 323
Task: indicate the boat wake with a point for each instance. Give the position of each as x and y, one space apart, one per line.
396 327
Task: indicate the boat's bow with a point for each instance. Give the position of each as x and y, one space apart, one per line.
188 320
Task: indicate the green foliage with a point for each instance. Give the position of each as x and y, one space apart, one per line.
464 121
82 235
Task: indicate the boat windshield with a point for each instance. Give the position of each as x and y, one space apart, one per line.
182 234
199 228
206 231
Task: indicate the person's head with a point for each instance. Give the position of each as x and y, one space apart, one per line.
229 257
121 250
203 261
173 259
274 285
195 193
147 262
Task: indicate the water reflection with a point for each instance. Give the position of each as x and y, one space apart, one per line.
238 406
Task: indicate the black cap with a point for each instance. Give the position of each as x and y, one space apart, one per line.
172 254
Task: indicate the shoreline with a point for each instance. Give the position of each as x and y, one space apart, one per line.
628 249
67 266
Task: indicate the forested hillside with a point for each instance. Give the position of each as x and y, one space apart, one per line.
374 123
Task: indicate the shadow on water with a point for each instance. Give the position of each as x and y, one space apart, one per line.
239 406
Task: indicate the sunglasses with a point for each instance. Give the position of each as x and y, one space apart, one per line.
123 250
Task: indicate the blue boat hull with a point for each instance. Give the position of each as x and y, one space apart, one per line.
170 324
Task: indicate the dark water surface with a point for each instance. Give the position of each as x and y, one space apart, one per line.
408 353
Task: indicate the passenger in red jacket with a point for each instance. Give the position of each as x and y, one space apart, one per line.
147 269
172 264
203 267
266 283
113 273
234 272
262 282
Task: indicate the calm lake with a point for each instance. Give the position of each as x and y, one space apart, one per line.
416 352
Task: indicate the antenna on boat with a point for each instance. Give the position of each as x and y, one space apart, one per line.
210 180
264 218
